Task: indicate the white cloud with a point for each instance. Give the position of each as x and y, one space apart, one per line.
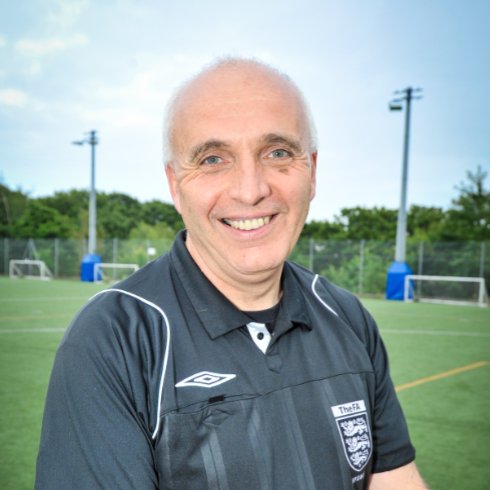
3 42
67 14
40 46
13 97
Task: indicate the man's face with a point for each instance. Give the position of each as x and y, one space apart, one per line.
243 176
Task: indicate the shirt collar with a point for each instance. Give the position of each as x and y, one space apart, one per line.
217 314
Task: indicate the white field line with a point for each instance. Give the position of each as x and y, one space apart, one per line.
33 330
43 298
440 333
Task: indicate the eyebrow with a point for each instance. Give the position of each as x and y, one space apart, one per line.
280 139
198 150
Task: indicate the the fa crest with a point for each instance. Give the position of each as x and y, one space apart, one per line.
355 433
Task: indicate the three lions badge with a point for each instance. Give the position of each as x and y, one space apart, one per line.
355 434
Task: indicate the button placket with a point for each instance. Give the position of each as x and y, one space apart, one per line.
260 335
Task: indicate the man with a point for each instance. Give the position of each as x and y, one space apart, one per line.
221 365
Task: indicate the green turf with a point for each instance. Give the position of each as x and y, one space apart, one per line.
448 418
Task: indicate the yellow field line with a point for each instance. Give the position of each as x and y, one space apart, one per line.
445 374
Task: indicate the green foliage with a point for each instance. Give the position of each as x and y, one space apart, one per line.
12 205
323 230
369 224
424 223
469 217
39 220
154 212
117 215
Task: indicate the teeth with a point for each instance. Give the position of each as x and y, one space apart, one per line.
248 224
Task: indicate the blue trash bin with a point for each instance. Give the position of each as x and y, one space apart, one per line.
87 267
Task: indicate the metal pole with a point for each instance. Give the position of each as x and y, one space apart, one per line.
92 234
401 227
92 238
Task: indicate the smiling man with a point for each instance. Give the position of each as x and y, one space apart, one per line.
221 365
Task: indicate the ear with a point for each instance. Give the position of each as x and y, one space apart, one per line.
173 185
313 175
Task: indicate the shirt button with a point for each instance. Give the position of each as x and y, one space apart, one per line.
260 335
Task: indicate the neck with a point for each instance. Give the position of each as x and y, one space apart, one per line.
248 292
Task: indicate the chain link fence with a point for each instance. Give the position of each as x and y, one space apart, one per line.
359 266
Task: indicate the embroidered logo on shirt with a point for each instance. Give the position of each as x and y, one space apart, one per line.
205 379
355 433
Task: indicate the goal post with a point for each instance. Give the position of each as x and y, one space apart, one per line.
456 290
107 271
29 269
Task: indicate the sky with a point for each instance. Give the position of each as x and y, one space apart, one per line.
71 66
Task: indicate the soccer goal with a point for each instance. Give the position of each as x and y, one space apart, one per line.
112 272
446 289
29 269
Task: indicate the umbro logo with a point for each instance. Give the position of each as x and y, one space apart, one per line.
205 379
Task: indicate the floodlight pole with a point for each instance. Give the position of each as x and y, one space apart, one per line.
92 140
401 227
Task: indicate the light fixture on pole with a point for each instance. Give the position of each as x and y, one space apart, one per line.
399 269
92 140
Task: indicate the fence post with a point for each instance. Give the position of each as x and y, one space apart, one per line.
312 251
482 259
6 255
420 268
114 250
56 256
361 266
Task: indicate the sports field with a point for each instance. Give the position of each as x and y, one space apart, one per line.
439 359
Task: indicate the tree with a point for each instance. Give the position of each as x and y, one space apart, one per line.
41 221
469 216
12 206
154 212
117 215
424 223
323 230
369 224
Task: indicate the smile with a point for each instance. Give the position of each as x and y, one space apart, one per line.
248 224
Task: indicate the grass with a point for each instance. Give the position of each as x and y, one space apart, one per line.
447 416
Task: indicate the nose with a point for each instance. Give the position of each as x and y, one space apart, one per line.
249 183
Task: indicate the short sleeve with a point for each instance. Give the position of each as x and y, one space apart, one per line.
96 425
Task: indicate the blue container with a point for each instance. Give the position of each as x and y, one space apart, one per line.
87 267
395 281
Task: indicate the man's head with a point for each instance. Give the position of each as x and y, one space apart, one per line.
241 168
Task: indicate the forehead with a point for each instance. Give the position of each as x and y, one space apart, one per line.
240 102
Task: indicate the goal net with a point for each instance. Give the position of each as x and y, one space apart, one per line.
29 269
446 289
112 272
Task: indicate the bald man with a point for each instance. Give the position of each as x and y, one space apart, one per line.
221 365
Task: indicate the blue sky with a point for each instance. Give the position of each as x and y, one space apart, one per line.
67 67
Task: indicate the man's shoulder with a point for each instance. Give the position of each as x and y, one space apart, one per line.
320 285
125 303
338 300
152 277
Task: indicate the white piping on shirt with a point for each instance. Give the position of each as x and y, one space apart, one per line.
313 284
167 348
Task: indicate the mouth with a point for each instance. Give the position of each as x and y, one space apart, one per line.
248 224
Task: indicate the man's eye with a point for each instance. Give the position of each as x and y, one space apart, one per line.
212 160
280 153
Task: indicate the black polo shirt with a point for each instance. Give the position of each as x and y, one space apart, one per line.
160 382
